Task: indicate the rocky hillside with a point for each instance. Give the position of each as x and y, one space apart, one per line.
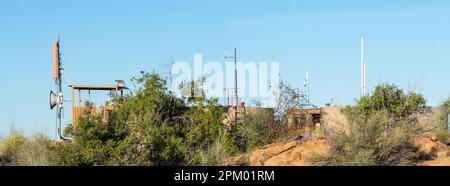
430 152
290 153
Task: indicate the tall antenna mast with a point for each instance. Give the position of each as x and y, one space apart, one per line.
170 75
235 81
58 82
363 70
56 100
235 84
306 84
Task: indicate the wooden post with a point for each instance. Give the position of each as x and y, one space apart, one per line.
79 98
73 109
117 89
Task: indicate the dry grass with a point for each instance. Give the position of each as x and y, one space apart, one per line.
333 120
19 150
428 120
442 154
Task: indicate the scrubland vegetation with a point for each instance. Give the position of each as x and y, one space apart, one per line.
16 149
442 125
150 126
380 130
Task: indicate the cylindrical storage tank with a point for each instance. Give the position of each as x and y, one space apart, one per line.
55 60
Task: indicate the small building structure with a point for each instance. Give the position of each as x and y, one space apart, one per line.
77 107
307 119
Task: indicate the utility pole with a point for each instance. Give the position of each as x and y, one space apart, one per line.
306 85
170 76
235 81
57 72
363 70
235 84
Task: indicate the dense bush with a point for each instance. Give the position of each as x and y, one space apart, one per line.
442 122
154 134
258 129
373 140
149 127
391 98
379 129
93 143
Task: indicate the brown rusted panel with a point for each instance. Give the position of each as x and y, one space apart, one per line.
55 60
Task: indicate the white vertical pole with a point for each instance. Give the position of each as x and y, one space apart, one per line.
364 85
307 87
363 70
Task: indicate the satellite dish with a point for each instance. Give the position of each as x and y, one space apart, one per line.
53 99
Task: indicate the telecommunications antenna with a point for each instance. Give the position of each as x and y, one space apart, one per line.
56 98
363 70
306 85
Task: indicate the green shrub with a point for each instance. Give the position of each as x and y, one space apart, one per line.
373 140
391 98
148 127
442 121
257 129
217 151
205 124
94 141
380 127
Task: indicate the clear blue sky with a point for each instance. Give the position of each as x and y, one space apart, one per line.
406 43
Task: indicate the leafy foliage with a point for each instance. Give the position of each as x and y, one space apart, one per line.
373 140
148 127
380 129
442 122
392 99
94 140
258 129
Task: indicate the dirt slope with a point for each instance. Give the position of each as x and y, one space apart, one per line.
432 152
290 153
